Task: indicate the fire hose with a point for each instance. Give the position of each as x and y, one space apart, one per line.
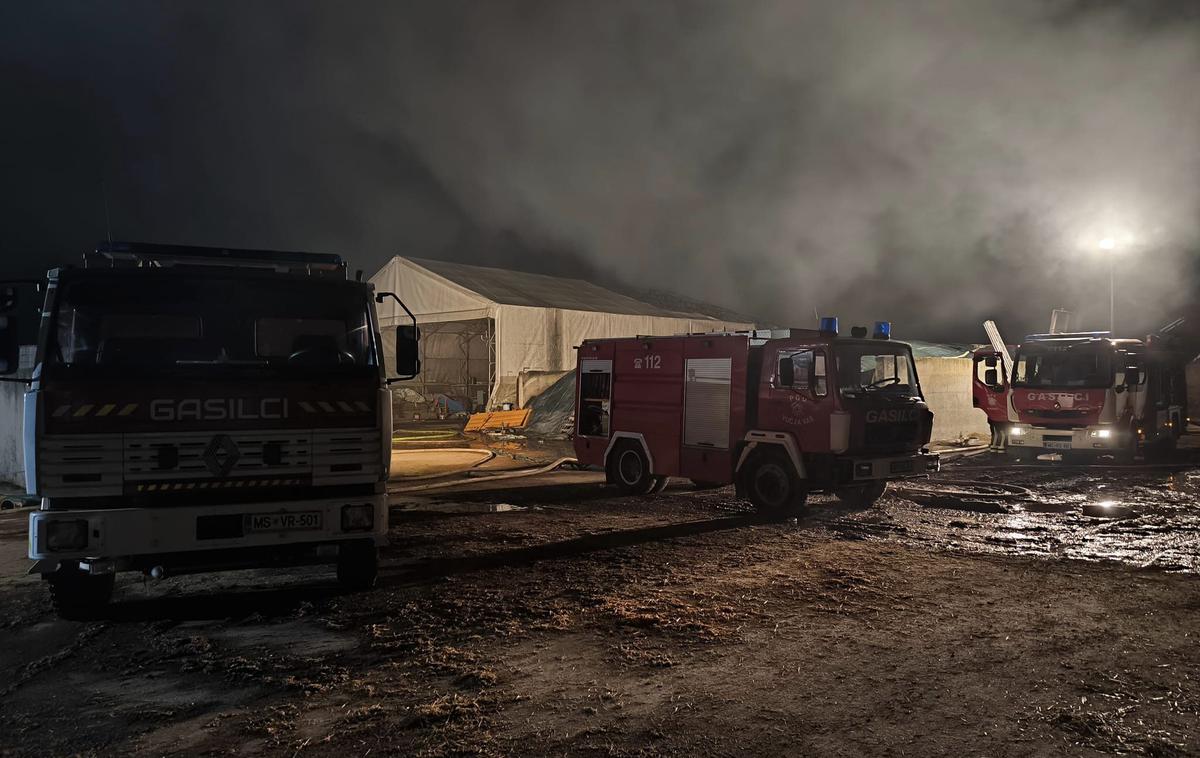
490 478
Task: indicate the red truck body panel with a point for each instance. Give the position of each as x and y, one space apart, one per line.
648 394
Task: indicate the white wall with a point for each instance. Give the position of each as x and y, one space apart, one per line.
12 455
946 383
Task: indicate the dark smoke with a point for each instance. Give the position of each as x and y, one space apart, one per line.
931 161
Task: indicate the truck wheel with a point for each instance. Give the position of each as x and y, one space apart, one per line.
358 565
631 469
77 595
773 486
701 484
660 484
862 496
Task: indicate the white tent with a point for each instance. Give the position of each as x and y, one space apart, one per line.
510 322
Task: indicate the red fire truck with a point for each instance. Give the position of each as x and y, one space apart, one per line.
1086 394
777 413
195 409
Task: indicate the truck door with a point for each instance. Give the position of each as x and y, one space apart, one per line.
989 386
595 398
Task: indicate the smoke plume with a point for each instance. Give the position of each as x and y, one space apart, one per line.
935 162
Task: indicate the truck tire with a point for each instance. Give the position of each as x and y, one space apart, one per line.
773 486
77 595
358 565
631 469
861 496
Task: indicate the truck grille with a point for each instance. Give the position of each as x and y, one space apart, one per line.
80 464
87 465
346 456
891 435
203 455
1069 413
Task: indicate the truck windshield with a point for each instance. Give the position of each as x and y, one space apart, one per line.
207 323
1078 364
886 367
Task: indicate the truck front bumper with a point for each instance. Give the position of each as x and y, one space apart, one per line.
1092 439
112 536
894 467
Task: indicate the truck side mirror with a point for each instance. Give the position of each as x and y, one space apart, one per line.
787 372
408 354
1133 376
10 346
991 377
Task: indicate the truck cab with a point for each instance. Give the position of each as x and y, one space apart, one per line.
196 409
778 413
1089 394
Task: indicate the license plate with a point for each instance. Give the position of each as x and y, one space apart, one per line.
281 522
901 467
1055 445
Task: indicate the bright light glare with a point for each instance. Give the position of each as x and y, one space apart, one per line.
1108 243
1106 503
1016 431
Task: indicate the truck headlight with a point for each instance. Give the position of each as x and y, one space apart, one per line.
1016 431
1100 433
358 518
66 535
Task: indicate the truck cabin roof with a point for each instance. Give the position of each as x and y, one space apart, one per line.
759 337
142 255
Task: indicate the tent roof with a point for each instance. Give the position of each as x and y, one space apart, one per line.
539 291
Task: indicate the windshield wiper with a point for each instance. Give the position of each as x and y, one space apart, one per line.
879 383
224 362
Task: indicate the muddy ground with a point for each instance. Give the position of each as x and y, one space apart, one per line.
552 617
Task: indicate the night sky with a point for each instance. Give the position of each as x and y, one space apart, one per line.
928 161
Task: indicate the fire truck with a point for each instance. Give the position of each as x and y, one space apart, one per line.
777 413
197 409
1086 394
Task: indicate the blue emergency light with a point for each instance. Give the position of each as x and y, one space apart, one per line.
829 325
883 330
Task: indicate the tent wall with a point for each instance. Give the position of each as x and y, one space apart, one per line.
946 384
12 450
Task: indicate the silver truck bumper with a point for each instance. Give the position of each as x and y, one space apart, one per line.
895 467
1095 439
111 534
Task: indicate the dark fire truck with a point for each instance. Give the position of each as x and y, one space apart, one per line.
196 409
778 413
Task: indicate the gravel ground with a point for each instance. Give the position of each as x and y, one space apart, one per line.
555 618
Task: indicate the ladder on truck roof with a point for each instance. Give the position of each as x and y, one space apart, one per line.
147 255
